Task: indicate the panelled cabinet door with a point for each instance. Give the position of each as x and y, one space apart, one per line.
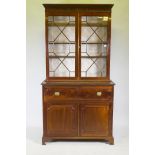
62 119
94 119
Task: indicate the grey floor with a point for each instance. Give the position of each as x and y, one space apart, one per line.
34 146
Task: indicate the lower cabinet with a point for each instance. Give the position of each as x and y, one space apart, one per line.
86 115
75 119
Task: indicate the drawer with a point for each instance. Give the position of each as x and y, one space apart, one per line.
60 92
78 92
96 92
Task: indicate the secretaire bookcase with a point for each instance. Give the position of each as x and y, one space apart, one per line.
77 92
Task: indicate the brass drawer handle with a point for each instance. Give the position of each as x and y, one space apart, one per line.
56 93
99 93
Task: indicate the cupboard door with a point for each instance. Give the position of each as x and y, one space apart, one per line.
62 46
94 46
94 119
62 119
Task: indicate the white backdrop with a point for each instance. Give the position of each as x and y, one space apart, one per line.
119 62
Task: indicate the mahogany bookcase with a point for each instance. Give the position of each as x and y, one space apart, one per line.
77 92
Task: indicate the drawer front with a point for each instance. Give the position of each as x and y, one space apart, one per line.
96 92
60 93
78 92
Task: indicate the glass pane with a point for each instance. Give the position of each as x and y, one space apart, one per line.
61 49
61 46
93 67
94 46
62 67
93 49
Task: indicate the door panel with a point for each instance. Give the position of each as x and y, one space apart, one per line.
94 119
62 119
94 46
62 46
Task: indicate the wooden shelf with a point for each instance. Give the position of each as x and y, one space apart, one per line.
51 42
73 24
93 24
61 24
89 57
56 57
105 42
